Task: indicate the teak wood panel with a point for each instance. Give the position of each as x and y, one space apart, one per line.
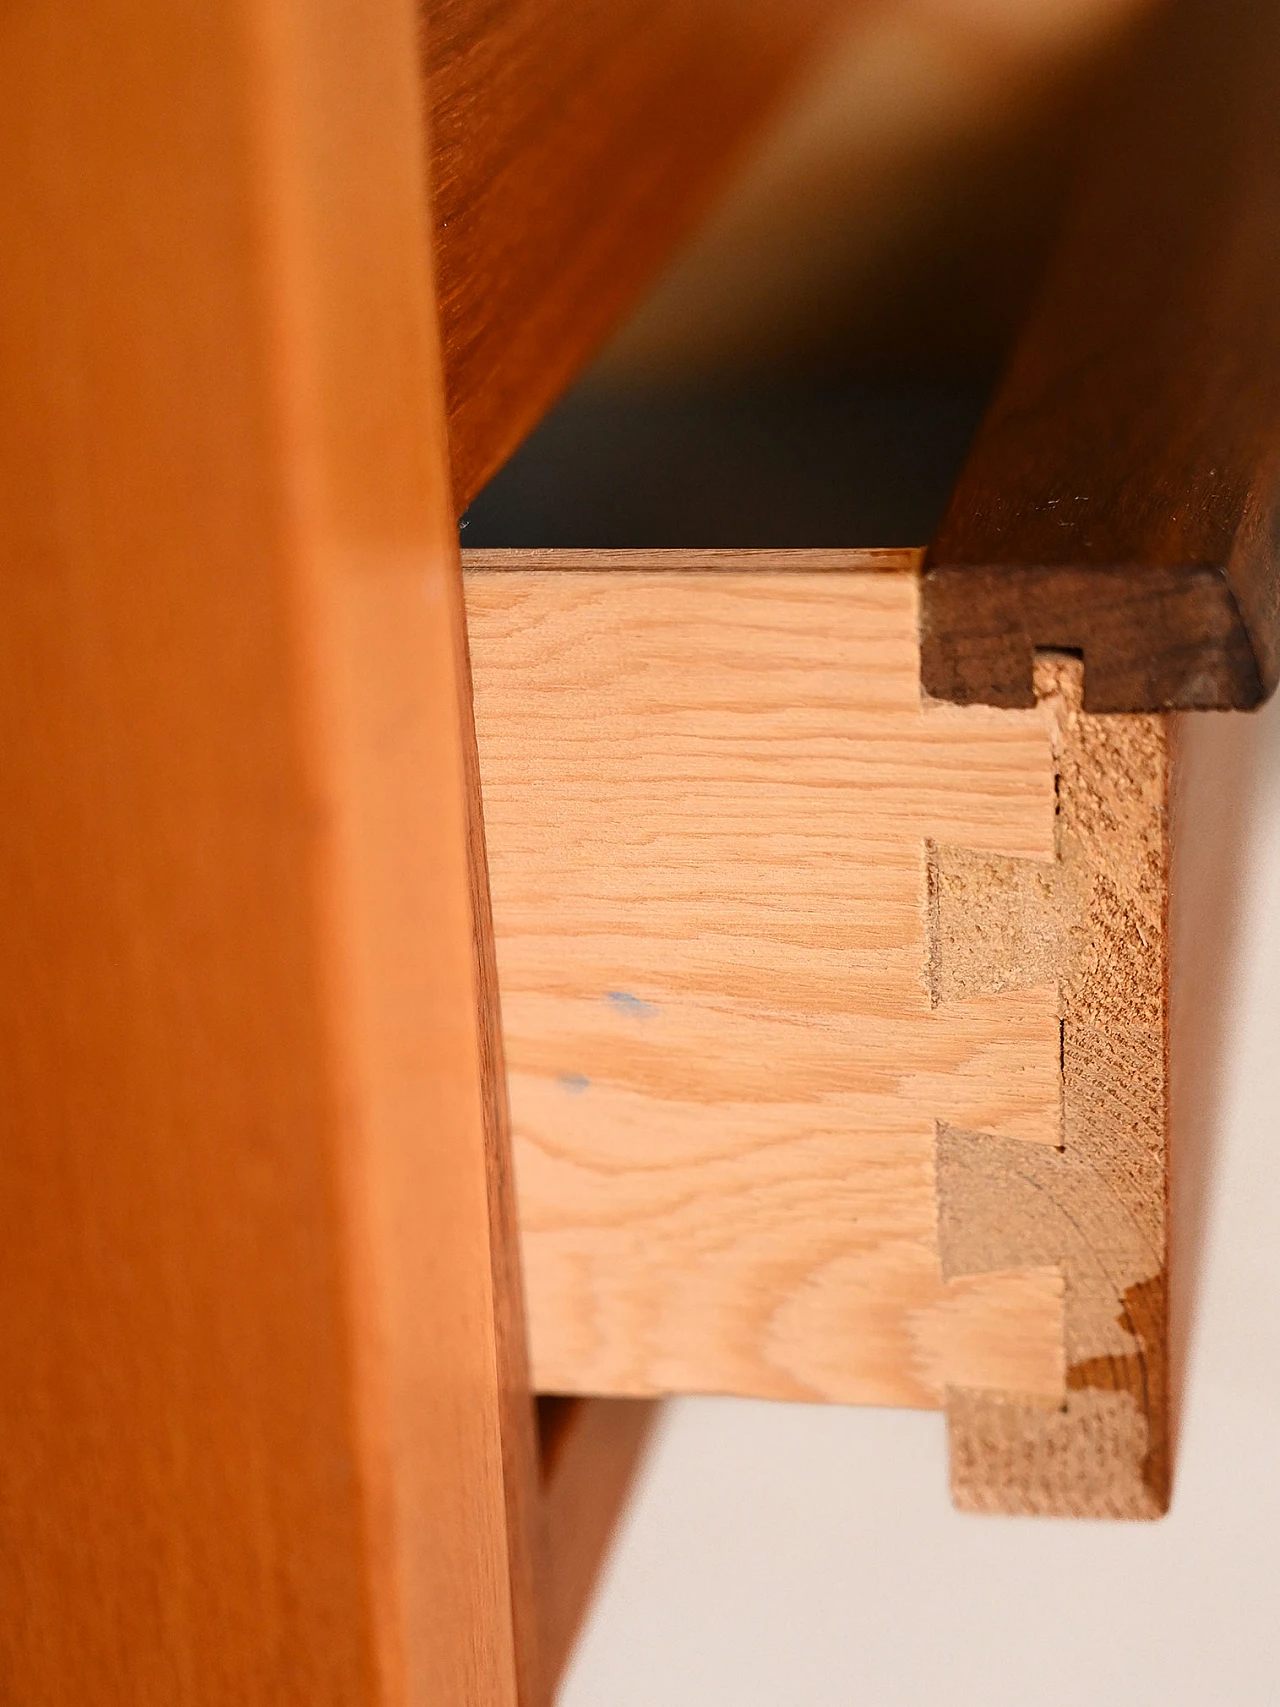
1123 496
805 985
264 1425
573 143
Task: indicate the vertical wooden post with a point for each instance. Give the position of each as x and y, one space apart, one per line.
263 1423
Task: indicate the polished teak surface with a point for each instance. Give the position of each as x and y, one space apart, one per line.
1122 498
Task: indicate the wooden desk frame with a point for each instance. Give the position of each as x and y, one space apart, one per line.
267 1427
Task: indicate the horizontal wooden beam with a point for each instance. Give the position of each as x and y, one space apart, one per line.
1122 499
834 1017
573 143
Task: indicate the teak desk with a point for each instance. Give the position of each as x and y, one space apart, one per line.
830 891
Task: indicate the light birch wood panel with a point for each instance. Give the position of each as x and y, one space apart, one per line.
834 1016
709 799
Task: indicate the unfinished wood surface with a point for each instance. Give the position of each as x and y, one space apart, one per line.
1123 497
806 982
573 142
709 798
262 1437
1096 1207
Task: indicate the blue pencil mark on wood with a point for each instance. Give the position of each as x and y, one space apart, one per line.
574 1083
626 1003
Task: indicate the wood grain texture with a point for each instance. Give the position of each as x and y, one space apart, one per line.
1096 1207
1123 497
835 1016
710 798
573 143
260 1351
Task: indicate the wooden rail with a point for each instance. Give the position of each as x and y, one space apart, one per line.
1122 498
573 142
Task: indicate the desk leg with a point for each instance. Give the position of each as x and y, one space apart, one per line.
264 1426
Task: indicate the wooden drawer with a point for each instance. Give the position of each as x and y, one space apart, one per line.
831 892
835 1016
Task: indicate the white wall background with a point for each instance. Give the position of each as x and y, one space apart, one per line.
807 1555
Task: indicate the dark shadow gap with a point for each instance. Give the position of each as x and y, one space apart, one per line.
862 463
